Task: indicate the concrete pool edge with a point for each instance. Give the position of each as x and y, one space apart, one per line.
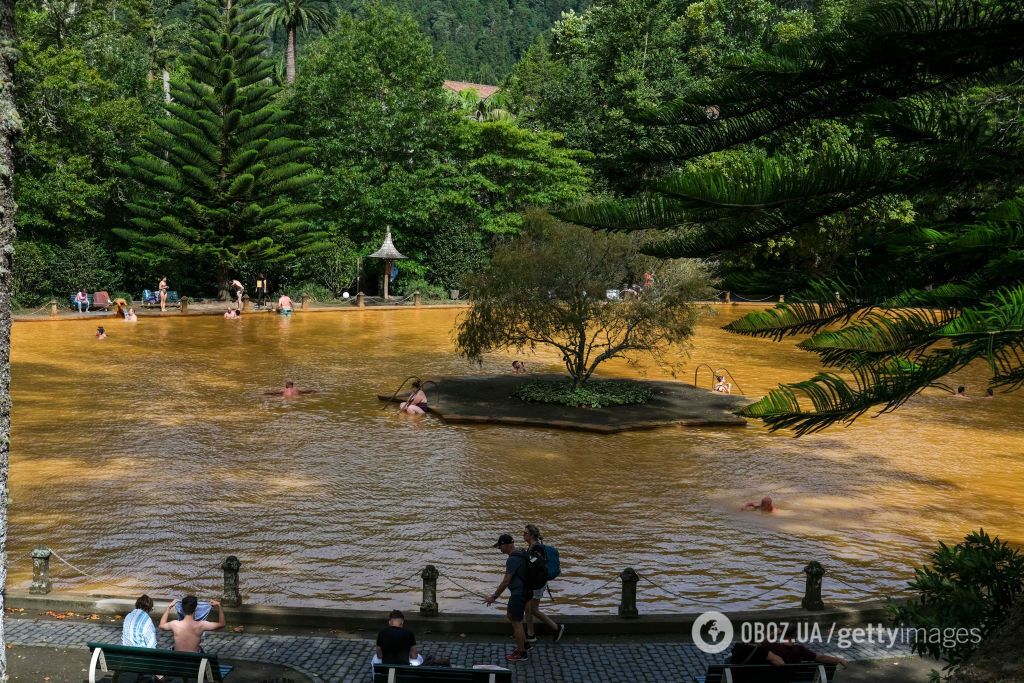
856 614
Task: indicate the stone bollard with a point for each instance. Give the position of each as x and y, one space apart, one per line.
416 299
627 608
305 298
428 606
40 571
782 298
361 300
184 304
232 597
53 308
812 591
246 303
728 298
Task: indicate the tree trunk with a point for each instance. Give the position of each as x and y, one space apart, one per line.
290 66
167 86
10 127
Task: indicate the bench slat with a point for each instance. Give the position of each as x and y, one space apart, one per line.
383 673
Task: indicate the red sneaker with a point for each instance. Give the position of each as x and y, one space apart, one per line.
517 656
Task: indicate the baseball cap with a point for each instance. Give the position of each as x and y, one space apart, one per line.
502 540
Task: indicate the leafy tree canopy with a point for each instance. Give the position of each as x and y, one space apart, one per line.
547 287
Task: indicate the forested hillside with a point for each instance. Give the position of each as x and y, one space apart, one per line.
482 39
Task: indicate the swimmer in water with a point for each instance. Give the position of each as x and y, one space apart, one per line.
721 385
290 391
961 392
101 333
765 505
518 367
417 403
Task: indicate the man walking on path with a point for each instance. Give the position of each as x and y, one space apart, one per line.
515 582
532 537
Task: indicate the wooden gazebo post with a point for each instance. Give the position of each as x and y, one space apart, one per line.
389 255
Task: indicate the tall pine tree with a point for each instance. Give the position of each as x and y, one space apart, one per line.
221 168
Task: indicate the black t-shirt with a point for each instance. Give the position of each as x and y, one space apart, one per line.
394 643
514 566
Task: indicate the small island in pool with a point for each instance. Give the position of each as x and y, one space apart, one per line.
489 399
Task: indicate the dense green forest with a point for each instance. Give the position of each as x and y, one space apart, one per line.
357 133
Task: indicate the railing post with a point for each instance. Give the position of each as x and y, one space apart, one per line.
428 605
361 300
53 308
416 299
184 304
728 298
812 591
40 571
305 298
232 597
627 607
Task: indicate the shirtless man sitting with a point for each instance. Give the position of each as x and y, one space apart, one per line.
188 633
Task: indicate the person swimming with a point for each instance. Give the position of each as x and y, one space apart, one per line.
961 392
290 391
721 385
101 333
765 505
130 317
417 403
518 367
231 314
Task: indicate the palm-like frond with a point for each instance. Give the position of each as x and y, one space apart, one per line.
825 303
878 336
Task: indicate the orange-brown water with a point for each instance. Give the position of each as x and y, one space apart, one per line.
147 458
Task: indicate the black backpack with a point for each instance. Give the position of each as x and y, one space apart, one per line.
535 567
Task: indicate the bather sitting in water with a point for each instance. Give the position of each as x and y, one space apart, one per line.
721 385
417 403
290 391
765 505
518 367
231 314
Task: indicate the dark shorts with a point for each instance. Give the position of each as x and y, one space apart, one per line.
516 607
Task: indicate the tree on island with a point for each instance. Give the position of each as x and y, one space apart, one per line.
222 168
10 128
934 86
547 288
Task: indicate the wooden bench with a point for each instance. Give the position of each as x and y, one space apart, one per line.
200 666
97 300
395 673
809 672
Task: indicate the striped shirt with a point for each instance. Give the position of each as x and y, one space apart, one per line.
138 630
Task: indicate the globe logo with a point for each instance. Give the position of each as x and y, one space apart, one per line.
712 632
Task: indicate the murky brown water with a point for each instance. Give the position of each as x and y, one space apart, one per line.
147 458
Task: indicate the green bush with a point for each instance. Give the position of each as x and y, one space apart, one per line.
592 395
315 291
43 271
971 585
426 290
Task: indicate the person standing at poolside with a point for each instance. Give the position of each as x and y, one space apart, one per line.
163 293
261 290
515 582
532 537
239 292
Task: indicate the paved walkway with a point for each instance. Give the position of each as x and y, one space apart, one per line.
334 659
